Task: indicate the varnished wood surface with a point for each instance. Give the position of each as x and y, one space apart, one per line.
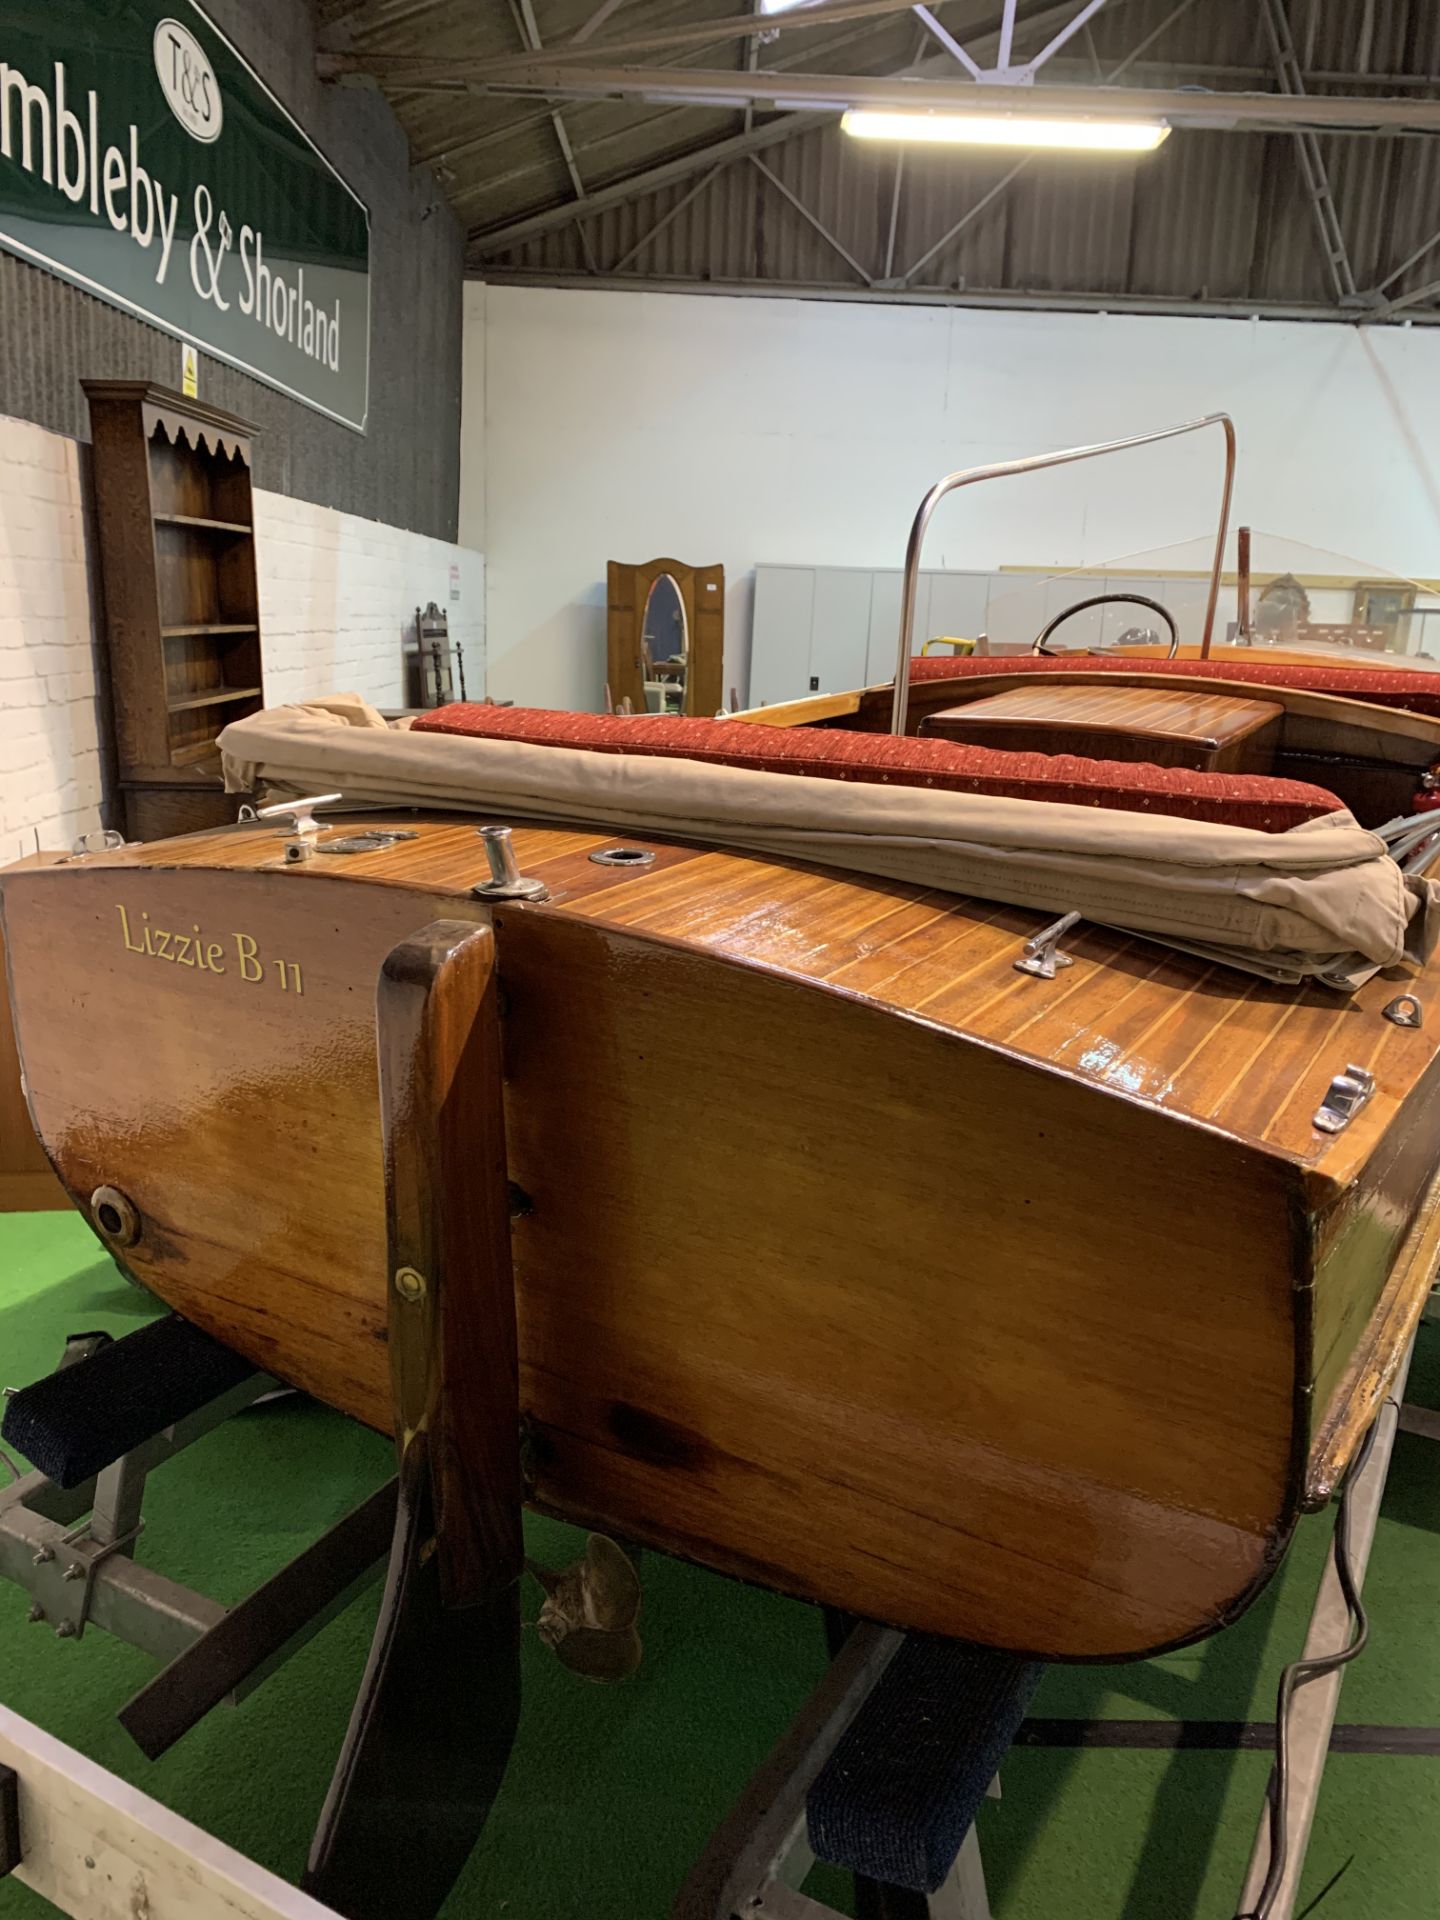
815 710
433 1724
973 1301
1162 725
1131 1015
243 1118
1311 719
27 1184
1365 1379
1360 1235
827 1314
451 1294
1167 713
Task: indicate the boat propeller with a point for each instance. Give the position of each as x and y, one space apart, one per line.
590 1610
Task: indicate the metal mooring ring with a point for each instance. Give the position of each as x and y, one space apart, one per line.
1404 1011
623 857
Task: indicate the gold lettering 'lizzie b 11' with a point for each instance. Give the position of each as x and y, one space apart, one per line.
237 954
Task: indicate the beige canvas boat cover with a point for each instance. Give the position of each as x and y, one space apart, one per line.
1322 899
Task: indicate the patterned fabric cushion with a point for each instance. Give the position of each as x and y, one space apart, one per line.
1411 692
1245 800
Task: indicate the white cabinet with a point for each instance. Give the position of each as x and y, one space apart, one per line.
957 608
825 629
839 631
1016 609
885 623
780 642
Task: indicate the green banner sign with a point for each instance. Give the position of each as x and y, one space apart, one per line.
144 160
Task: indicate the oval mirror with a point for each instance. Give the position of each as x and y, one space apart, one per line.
665 647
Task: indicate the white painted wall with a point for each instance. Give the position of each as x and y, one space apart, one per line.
50 760
626 425
336 595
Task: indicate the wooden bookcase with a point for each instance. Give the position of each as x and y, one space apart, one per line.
182 615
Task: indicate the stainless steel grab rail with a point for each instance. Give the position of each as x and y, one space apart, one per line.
1032 465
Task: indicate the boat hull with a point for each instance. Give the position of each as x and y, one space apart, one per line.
811 1286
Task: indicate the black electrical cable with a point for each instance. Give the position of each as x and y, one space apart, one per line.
1300 1671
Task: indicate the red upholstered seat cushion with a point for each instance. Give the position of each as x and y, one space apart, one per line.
1411 692
1245 800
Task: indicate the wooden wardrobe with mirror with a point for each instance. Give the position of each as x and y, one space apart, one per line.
665 637
182 614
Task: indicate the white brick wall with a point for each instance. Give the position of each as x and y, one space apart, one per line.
337 595
50 766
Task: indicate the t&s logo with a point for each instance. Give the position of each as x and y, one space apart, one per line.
188 81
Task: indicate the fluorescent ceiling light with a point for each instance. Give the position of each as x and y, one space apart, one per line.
785 6
1007 130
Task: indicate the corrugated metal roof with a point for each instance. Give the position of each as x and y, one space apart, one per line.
1213 220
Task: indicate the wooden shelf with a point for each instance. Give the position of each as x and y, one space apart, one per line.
216 697
201 525
192 756
187 633
175 525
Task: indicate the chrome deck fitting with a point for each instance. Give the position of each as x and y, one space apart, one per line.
506 881
1042 953
1348 1093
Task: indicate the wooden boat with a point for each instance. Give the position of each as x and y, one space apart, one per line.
849 1258
1374 742
1153 702
834 1228
1297 663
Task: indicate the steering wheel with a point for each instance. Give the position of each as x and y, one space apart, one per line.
1109 600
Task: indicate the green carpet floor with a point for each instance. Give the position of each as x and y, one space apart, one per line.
612 1791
